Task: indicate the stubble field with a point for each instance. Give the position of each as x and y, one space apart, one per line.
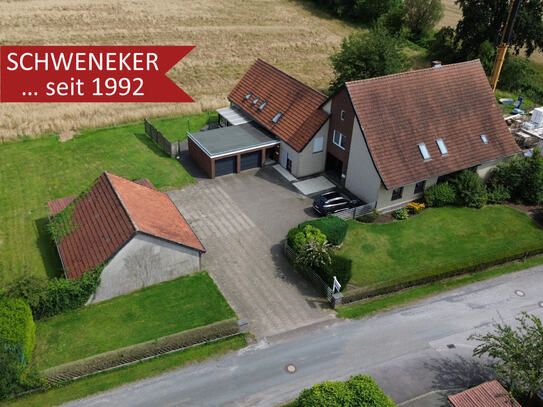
228 36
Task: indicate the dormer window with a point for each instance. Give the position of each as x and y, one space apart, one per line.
277 117
424 151
484 138
248 96
442 146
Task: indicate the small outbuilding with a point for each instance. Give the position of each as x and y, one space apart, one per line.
488 394
135 230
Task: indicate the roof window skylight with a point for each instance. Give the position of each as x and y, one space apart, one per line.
248 95
255 101
262 106
277 117
484 138
424 151
442 146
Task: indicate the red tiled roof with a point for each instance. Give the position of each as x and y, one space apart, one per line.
299 103
145 182
489 394
110 214
454 102
59 205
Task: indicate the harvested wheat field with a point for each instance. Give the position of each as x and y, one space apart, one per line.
451 15
228 37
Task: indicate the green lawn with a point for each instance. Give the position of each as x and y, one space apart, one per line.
108 380
33 172
436 241
160 310
175 129
390 301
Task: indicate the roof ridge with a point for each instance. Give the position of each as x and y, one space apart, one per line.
258 59
446 66
107 174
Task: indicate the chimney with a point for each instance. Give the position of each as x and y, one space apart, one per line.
436 64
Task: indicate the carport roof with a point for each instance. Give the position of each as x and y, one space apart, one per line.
232 139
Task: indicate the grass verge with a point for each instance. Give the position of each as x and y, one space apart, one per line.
436 241
387 302
109 380
163 309
33 172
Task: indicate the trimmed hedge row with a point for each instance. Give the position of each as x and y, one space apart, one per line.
130 354
333 227
51 297
17 329
365 293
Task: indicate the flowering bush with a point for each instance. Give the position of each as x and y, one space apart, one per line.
415 207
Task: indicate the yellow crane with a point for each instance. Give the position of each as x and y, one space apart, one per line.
502 48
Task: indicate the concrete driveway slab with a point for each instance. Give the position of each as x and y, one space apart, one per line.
314 185
242 219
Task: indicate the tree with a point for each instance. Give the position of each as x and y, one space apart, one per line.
421 16
516 354
484 20
367 55
368 11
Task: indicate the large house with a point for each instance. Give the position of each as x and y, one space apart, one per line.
385 139
135 230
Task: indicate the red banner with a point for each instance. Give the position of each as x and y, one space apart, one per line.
90 74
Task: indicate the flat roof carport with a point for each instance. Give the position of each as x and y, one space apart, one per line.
238 143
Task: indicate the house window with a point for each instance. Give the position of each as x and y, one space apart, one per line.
339 139
256 101
342 115
318 144
424 151
442 146
441 179
277 117
263 105
248 96
419 187
484 138
397 193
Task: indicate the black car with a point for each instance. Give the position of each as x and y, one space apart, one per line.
333 201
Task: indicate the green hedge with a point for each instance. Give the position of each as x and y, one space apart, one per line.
17 329
359 391
440 195
341 267
51 297
333 227
118 357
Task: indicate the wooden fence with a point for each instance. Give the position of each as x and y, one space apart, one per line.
353 213
170 148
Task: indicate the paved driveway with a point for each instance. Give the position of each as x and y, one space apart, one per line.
242 220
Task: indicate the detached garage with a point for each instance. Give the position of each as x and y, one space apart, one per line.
230 149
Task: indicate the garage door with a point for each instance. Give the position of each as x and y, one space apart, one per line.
250 160
225 166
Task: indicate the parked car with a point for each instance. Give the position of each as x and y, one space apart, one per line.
333 201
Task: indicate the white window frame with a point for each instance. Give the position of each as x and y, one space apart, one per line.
318 144
442 146
339 140
424 151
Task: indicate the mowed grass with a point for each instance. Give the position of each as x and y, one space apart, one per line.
175 129
160 310
34 172
436 241
108 380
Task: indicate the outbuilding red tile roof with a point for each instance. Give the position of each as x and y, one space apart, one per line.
454 103
488 394
110 214
298 103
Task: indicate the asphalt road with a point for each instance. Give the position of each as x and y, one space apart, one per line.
408 352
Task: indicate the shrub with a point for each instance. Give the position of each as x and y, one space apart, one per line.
314 254
440 195
333 227
497 194
17 329
340 267
400 214
10 374
522 177
470 190
48 298
359 391
302 235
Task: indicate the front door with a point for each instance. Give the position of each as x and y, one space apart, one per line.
289 164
